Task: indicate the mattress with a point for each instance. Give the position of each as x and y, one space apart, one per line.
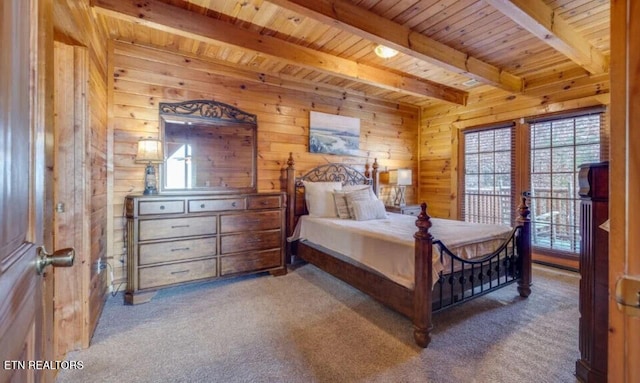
386 246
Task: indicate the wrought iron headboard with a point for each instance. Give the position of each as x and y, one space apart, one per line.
345 174
333 172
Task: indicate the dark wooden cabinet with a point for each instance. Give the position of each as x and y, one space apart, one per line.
594 272
174 239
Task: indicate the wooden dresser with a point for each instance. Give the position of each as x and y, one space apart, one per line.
174 239
594 272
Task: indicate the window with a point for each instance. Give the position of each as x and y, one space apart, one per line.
488 180
558 147
550 150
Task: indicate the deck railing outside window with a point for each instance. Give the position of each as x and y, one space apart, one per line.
489 205
555 214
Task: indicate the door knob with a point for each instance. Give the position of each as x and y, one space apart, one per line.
59 258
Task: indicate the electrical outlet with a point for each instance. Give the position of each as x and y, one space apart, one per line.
100 265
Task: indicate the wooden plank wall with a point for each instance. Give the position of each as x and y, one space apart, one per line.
98 165
439 130
74 24
144 77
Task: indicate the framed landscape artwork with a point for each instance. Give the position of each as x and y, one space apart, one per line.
333 134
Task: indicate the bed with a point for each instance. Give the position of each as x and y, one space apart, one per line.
436 278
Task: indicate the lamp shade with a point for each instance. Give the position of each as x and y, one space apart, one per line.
149 150
400 177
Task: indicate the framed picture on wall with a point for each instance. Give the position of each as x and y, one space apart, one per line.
333 134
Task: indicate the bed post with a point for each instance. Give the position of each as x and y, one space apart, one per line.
524 283
423 279
372 176
375 176
291 202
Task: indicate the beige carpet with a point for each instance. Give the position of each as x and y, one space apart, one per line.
310 327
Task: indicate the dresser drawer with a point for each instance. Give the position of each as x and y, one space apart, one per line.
160 207
247 241
177 250
253 221
263 202
238 263
201 205
176 227
156 276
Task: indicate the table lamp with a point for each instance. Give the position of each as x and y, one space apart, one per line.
150 152
401 178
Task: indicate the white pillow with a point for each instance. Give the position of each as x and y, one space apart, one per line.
365 210
350 188
357 195
340 200
319 198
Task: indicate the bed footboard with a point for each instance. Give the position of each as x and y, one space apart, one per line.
463 280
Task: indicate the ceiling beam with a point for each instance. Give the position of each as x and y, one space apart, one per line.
172 57
179 21
539 19
368 25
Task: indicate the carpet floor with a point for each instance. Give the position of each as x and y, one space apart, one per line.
307 326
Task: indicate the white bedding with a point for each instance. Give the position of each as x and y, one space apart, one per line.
387 245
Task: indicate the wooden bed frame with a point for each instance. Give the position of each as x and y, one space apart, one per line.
469 279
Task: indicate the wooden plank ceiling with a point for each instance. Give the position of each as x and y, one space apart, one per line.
451 52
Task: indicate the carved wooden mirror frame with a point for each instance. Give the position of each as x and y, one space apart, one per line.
232 131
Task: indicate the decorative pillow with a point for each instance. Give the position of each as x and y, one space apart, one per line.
350 188
357 195
365 210
319 198
340 200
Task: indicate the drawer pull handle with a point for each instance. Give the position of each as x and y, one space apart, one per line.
161 207
254 240
180 272
233 204
264 203
202 206
178 226
181 249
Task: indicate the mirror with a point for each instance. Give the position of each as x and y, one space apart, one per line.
209 147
